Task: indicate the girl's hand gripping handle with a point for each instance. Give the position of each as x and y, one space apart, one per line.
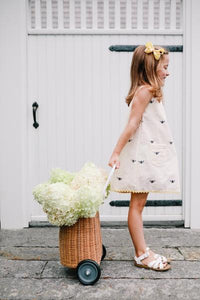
108 180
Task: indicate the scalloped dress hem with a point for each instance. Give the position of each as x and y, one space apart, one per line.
127 191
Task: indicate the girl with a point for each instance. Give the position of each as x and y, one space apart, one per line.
145 155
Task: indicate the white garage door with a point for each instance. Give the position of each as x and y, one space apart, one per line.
80 86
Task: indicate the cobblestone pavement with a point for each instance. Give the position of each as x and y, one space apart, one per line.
30 267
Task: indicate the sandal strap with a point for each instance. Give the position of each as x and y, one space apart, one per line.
141 257
156 263
164 259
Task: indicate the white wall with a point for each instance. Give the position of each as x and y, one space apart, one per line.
13 112
193 102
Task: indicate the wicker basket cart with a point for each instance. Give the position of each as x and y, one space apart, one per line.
81 246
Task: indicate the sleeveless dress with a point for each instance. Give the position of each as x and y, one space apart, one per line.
148 161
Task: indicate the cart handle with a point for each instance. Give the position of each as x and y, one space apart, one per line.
108 179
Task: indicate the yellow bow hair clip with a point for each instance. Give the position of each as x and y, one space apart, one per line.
156 52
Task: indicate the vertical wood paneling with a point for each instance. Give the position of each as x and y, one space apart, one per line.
78 104
43 106
87 99
60 83
68 113
114 100
106 97
96 98
52 113
82 141
33 168
81 88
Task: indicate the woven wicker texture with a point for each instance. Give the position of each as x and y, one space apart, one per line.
81 241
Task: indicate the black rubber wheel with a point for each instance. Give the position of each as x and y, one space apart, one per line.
88 271
103 252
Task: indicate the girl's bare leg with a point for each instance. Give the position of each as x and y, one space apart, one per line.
135 225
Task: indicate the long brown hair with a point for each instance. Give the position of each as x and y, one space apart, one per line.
144 72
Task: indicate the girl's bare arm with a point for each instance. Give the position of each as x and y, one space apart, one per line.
139 103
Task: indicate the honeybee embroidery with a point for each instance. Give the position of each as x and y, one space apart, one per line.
156 153
171 142
119 178
133 160
152 141
152 181
162 121
151 101
130 140
141 161
172 181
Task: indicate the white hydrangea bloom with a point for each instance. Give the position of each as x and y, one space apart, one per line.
89 175
66 197
59 175
89 198
39 192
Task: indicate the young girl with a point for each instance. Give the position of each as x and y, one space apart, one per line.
145 155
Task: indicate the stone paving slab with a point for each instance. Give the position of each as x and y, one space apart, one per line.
21 269
190 253
154 237
48 237
127 253
127 270
27 237
128 289
52 253
30 253
109 269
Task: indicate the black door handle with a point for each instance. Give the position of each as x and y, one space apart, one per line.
35 107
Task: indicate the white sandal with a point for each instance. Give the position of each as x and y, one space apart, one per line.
163 258
156 265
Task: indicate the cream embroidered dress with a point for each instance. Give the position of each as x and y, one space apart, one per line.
148 161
